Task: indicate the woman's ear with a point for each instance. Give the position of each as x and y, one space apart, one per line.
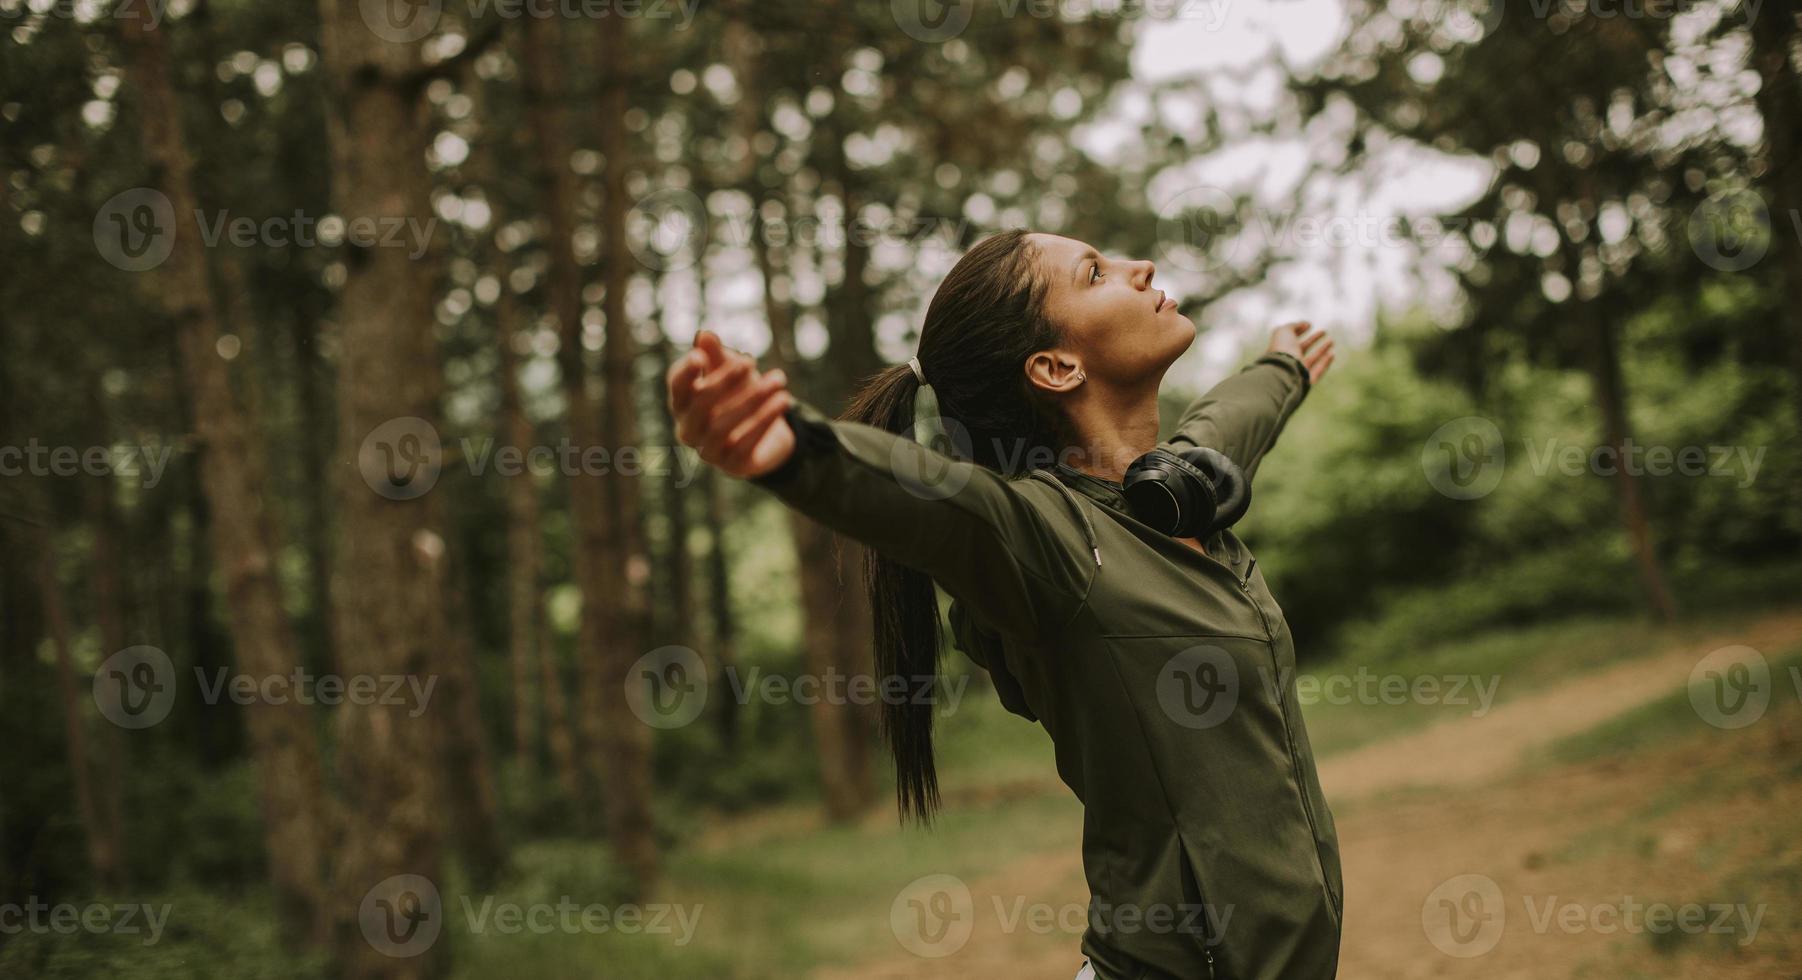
1054 371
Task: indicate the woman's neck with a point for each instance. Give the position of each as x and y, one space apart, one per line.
1110 430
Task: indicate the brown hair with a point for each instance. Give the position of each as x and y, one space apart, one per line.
984 321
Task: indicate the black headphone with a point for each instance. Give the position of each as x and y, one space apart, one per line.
1188 494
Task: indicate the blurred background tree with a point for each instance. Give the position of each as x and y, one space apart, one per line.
472 233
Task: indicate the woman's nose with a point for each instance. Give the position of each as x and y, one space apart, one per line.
1144 271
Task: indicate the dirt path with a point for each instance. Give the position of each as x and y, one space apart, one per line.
1469 751
1480 818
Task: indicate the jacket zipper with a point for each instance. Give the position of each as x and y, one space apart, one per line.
1307 808
1208 939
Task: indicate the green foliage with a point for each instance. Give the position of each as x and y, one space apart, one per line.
1365 554
205 934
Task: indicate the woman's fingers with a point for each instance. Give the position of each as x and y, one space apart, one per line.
681 381
705 394
751 449
727 409
1318 366
729 415
1309 342
712 350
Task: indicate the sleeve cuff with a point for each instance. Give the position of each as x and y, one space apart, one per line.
813 435
1288 360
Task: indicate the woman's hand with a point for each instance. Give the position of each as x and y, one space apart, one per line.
729 411
1314 350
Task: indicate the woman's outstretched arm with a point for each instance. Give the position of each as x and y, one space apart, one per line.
976 533
1243 415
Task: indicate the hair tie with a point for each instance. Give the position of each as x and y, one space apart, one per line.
914 362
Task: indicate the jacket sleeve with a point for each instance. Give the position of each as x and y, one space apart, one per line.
1021 566
1243 415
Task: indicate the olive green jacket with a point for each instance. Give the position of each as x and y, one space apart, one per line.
1165 677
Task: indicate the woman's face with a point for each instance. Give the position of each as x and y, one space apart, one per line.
1121 330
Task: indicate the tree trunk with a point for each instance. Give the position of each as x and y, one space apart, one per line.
719 602
109 612
626 742
470 794
682 625
838 728
315 449
242 536
1617 430
841 745
523 560
611 736
103 855
385 599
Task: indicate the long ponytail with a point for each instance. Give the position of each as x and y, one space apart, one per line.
983 322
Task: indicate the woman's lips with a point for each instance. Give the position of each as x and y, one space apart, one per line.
1164 301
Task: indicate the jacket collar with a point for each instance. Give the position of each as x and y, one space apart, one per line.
1104 492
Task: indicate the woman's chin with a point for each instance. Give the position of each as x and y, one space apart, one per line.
1182 331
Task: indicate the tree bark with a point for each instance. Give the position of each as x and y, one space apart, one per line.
839 729
719 603
103 855
829 570
611 736
626 741
386 601
1617 430
470 794
242 536
682 625
109 611
523 560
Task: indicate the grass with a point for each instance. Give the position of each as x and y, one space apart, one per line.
781 894
790 901
1675 716
1731 794
784 893
795 895
1512 663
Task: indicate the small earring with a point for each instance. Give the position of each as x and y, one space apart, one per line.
1082 376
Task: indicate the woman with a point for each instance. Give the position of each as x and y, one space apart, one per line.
1161 666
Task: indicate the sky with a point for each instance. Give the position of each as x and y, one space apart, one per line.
1235 54
1345 271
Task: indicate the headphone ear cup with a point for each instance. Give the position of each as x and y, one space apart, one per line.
1170 494
1233 490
